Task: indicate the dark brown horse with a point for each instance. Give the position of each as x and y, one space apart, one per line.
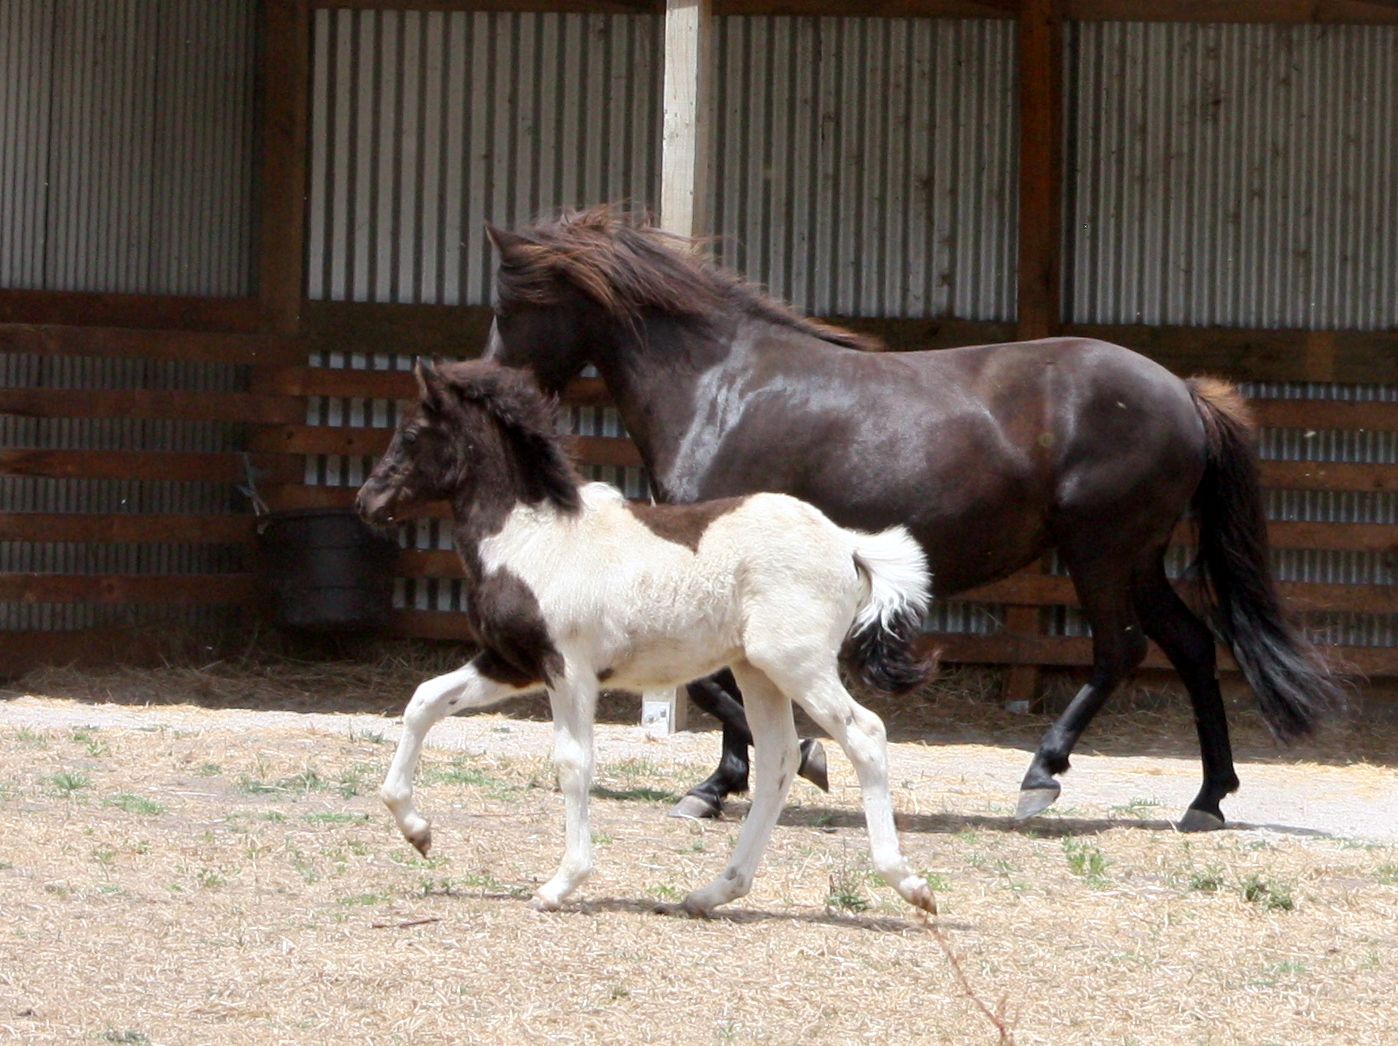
990 455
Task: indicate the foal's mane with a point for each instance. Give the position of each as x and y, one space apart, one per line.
625 264
528 421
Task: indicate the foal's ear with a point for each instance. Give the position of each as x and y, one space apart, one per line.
507 243
431 389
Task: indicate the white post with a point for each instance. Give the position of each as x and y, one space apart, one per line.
684 187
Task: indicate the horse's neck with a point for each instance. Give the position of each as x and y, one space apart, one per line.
665 384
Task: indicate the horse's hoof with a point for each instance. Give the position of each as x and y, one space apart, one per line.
422 841
1200 821
813 767
697 808
1034 801
540 903
694 910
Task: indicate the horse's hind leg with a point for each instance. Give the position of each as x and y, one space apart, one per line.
719 696
775 750
574 705
1118 646
1189 645
433 700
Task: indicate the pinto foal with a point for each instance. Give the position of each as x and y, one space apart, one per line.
569 585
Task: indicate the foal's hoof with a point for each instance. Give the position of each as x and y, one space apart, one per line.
1034 801
422 841
692 909
1200 821
697 808
813 767
540 903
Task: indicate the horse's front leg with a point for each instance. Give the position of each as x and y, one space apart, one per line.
433 700
574 704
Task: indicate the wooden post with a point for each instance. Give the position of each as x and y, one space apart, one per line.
1040 193
684 186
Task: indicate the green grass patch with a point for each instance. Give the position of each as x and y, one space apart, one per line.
847 891
136 804
1206 880
1085 860
1388 874
334 817
1273 896
363 900
68 783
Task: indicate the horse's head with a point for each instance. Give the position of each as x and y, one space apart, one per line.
543 323
477 433
424 460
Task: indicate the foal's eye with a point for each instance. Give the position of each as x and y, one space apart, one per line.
409 438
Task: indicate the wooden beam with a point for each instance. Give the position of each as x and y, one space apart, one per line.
147 465
115 589
133 343
1275 12
160 311
615 7
361 441
688 89
152 403
126 528
284 90
447 330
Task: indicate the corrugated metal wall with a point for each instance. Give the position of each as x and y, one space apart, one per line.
126 164
127 159
1243 175
426 125
868 166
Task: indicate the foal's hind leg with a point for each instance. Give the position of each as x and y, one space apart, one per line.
861 734
431 701
1189 645
774 748
1118 646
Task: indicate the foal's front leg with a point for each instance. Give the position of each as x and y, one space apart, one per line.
574 704
433 700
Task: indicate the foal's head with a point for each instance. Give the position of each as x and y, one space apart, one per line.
478 433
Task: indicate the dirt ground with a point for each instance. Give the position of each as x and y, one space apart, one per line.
200 857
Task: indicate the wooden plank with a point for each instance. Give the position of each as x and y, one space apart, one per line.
394 385
126 528
156 311
870 8
353 441
284 92
1363 357
546 6
113 589
688 101
1328 475
1325 414
152 403
127 343
23 652
1275 12
446 330
1040 166
1072 652
146 465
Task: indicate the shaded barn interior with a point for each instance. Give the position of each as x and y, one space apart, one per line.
228 229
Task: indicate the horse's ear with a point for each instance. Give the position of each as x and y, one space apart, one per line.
430 387
507 243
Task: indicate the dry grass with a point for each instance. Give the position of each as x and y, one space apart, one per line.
173 886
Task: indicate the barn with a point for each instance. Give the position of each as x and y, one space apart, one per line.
228 228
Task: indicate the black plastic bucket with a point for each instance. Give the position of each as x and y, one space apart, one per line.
326 571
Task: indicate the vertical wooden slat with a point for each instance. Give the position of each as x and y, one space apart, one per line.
684 162
1040 191
284 95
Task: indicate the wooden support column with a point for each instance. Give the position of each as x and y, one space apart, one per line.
1040 193
283 90
684 187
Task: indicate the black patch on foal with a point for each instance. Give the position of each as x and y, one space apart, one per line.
682 524
516 647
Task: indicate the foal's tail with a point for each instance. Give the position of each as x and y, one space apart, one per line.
881 644
1294 684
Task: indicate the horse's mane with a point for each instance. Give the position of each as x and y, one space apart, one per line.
625 264
528 420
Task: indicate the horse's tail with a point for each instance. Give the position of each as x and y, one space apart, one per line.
1294 684
881 646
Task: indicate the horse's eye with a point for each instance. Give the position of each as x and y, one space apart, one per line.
409 438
